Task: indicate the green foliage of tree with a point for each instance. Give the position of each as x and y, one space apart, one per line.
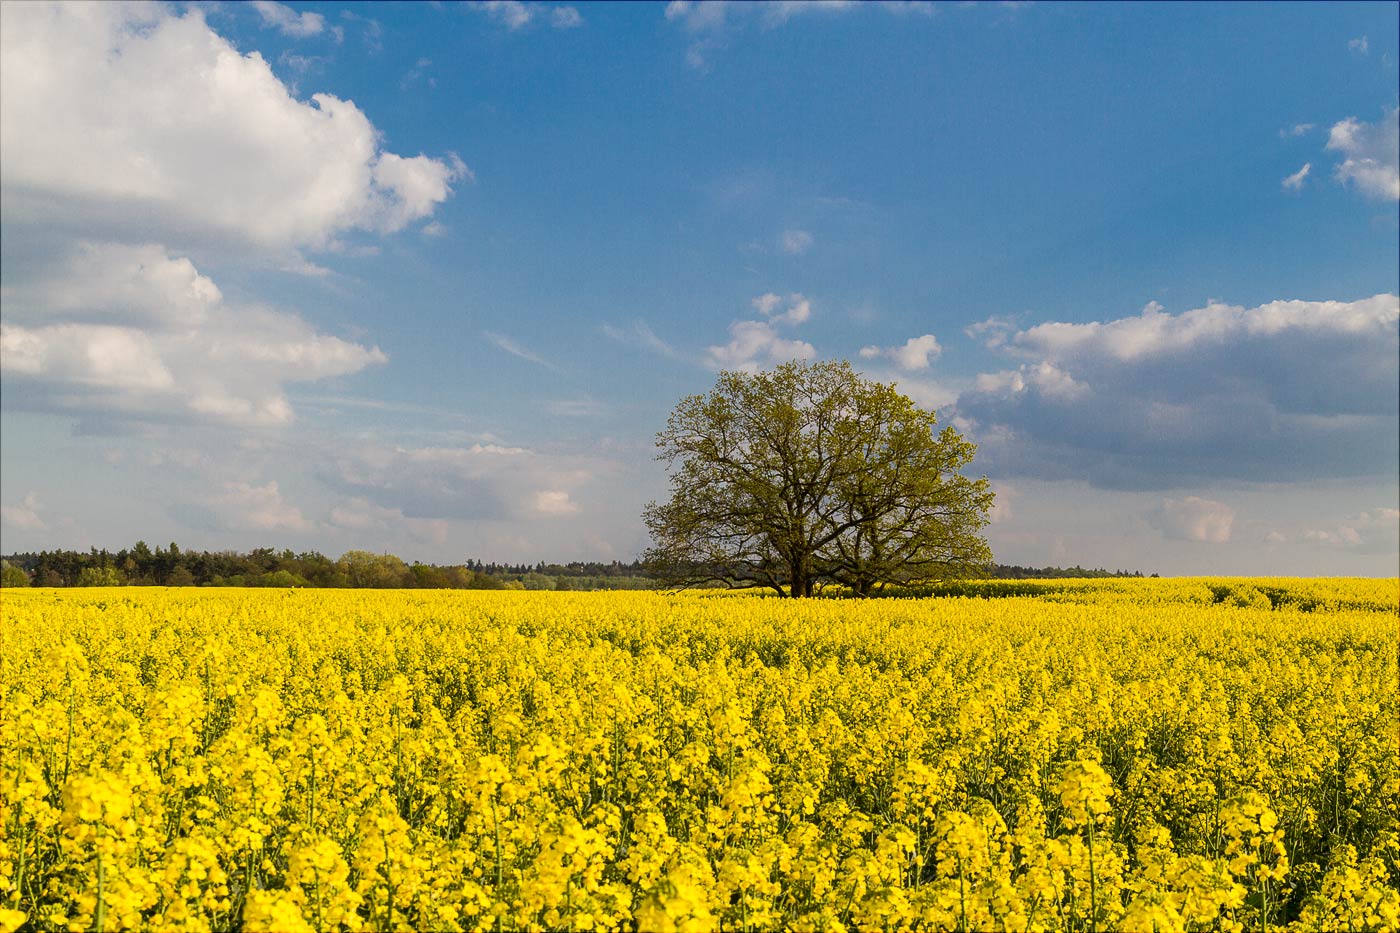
180 576
100 576
281 578
809 474
374 571
10 575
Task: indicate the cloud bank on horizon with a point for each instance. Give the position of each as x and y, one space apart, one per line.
235 312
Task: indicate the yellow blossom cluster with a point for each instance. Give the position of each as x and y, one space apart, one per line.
1050 755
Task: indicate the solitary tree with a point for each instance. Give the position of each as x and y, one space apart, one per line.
810 473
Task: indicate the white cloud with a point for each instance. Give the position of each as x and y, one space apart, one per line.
25 516
926 393
1360 46
1002 510
514 14
698 16
480 482
565 17
288 21
797 311
262 507
515 349
906 7
1193 519
1155 333
1372 155
198 143
767 303
360 516
650 341
135 333
707 16
641 335
1297 129
1343 536
1290 390
777 12
1374 531
418 72
371 30
511 13
554 502
993 332
1294 182
914 354
795 242
754 345
107 282
576 408
709 22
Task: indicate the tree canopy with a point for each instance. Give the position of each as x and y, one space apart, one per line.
810 474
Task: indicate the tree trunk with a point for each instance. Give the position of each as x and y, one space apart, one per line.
801 584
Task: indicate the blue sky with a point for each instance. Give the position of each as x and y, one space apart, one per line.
428 278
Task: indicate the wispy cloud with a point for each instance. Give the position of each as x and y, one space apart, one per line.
710 23
291 23
576 408
1372 155
417 73
795 242
25 515
1294 182
1193 519
516 14
515 349
1360 46
334 402
371 30
641 335
565 17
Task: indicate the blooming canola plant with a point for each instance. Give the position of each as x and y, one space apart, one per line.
1068 755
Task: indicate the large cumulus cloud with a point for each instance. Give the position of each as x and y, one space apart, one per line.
1286 391
136 145
124 332
130 121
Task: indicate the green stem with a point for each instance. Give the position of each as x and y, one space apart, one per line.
496 823
1093 882
100 915
68 745
962 898
388 883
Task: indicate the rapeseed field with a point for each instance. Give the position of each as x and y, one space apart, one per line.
1067 755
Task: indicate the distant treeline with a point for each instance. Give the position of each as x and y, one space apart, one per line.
139 565
1014 572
